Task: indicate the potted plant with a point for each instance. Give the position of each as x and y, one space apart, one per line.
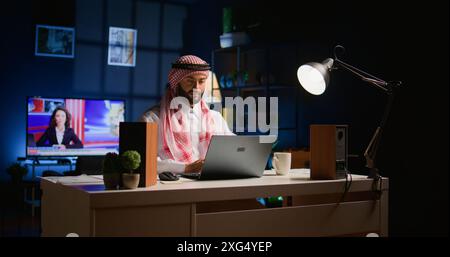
130 161
17 172
111 169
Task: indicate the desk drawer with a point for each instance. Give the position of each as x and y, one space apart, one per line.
312 220
159 220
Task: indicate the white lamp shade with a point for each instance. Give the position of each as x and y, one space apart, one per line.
314 76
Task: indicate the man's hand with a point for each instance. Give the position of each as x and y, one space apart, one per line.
194 167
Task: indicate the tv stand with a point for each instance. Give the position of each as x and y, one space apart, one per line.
36 161
45 161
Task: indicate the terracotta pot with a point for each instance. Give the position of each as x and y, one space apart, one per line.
130 181
111 180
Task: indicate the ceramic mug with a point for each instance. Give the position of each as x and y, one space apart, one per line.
281 162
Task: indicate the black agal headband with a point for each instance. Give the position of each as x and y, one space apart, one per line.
191 66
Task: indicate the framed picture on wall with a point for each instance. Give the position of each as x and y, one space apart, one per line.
122 46
55 41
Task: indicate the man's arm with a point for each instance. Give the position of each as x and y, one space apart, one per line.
167 164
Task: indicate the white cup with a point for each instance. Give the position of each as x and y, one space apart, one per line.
281 163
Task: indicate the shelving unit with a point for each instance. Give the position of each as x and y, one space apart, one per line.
30 187
271 71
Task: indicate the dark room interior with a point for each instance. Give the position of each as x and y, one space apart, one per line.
393 40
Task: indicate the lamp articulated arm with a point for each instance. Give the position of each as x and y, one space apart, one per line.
372 148
388 88
379 83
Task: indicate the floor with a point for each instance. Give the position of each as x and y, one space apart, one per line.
16 217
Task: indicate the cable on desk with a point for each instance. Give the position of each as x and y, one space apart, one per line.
348 184
377 181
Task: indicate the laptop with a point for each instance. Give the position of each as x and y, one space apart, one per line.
233 157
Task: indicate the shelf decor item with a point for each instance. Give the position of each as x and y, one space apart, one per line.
227 20
112 170
122 46
17 172
231 37
130 161
234 39
240 78
54 41
227 81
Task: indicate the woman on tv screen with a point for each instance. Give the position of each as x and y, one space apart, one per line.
59 133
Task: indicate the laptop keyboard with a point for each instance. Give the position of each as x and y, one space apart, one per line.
194 175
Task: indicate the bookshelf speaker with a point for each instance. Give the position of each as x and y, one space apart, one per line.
143 138
329 151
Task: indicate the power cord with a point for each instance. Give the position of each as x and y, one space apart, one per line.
348 184
377 183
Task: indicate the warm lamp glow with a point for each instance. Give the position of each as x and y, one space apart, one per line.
314 76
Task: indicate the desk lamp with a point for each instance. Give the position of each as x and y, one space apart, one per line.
314 78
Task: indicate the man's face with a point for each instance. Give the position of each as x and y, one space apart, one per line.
192 87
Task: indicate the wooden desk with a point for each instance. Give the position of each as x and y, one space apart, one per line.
217 208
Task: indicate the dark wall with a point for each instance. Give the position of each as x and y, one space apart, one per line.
22 74
396 40
159 42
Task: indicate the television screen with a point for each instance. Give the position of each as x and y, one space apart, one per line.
73 127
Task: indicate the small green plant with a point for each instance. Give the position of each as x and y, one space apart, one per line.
130 160
111 163
17 171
